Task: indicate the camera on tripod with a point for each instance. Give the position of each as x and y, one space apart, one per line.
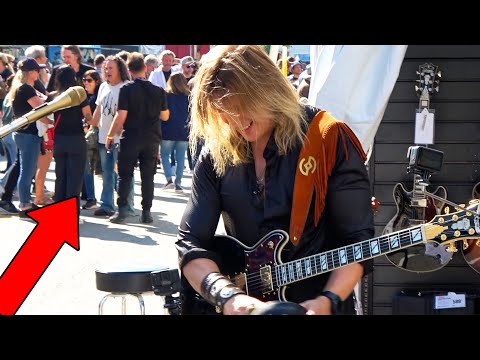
424 161
167 283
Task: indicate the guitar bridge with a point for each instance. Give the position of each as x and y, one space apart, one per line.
266 279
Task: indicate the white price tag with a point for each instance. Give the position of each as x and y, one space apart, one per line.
451 300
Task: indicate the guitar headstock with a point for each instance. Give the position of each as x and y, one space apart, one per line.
463 224
429 80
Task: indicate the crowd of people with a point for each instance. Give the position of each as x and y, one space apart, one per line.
81 139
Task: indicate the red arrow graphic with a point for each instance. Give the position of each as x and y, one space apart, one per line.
56 224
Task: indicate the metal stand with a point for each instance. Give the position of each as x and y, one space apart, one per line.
123 296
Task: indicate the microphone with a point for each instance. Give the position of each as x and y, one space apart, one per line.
73 96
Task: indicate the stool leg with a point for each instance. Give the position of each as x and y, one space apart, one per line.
141 303
139 298
102 302
124 305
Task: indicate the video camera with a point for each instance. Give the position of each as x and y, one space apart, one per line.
167 283
424 161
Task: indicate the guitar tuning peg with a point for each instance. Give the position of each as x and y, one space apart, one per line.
446 210
418 72
417 88
477 243
465 244
439 74
437 89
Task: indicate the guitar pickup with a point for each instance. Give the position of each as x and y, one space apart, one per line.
266 279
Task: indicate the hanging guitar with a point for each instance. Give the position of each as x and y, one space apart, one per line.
471 249
259 269
415 207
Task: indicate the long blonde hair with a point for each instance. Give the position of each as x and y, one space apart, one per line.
242 80
19 79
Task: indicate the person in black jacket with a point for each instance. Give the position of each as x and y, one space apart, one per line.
254 128
141 106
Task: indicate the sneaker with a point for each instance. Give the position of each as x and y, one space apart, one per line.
90 204
146 217
119 217
169 185
103 212
178 189
23 213
8 207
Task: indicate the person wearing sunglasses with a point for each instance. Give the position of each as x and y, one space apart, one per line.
188 67
91 82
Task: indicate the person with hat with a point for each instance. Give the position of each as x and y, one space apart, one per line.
188 66
296 69
24 98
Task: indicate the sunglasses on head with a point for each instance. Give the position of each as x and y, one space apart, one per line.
89 80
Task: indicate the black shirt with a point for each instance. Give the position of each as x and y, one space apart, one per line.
143 101
79 75
21 107
347 217
70 121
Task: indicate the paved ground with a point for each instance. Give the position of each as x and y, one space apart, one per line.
68 285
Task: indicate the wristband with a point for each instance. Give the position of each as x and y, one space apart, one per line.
109 137
334 299
218 289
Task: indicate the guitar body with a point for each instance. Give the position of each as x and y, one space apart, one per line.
471 254
239 263
418 258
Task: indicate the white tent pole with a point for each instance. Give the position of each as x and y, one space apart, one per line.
274 52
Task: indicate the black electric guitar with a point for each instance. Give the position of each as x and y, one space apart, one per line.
259 269
424 257
471 248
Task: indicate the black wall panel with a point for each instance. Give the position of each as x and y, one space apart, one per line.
457 134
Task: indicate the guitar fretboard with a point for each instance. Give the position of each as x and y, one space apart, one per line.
300 269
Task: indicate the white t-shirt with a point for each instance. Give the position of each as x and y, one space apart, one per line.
107 99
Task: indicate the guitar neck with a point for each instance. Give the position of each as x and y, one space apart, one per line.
310 266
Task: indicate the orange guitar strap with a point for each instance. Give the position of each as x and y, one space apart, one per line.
315 164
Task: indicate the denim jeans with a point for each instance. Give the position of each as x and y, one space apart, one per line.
89 183
180 147
109 176
11 147
29 146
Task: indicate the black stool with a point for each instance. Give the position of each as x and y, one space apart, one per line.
124 281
